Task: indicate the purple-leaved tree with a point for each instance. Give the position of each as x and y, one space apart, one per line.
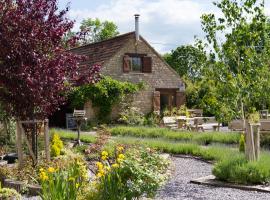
36 71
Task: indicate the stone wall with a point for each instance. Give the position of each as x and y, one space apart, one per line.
162 75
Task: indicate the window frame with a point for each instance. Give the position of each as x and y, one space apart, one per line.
136 55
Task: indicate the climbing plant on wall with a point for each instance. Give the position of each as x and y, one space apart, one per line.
104 95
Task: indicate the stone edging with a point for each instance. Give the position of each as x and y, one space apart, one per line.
212 181
19 186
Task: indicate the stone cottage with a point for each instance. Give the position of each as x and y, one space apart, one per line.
129 57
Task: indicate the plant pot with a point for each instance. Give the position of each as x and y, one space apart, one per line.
11 158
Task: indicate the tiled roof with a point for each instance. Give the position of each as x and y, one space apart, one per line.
100 52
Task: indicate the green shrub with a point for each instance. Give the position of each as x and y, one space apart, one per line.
104 95
152 119
239 170
140 171
242 143
7 194
56 146
131 116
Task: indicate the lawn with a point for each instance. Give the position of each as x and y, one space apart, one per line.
198 137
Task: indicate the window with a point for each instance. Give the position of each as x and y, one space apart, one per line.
136 64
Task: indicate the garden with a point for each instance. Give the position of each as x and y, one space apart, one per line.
134 156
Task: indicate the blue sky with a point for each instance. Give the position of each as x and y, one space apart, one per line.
166 24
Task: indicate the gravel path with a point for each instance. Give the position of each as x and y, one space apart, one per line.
179 188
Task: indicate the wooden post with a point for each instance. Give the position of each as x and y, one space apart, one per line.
19 145
252 141
47 140
257 142
180 99
156 102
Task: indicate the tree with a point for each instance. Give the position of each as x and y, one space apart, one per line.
238 73
239 70
187 60
35 68
97 30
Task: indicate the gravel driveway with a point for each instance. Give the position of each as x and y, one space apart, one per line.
179 187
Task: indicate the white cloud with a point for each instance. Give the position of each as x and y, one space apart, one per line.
170 22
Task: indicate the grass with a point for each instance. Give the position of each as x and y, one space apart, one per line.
71 135
200 138
212 152
231 165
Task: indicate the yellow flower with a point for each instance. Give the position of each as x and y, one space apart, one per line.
121 156
77 185
99 165
43 176
120 148
115 165
104 157
51 170
100 173
72 179
41 170
104 153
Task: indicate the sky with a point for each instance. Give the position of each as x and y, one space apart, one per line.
165 24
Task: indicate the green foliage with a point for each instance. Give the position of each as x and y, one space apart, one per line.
7 194
131 116
104 95
152 119
182 111
242 143
63 184
98 30
254 117
239 170
200 138
237 73
8 128
140 171
56 145
187 61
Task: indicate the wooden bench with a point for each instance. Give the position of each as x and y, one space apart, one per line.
265 125
236 125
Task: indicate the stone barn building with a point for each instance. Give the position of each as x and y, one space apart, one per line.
129 57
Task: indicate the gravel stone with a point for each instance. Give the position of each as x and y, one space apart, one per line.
186 169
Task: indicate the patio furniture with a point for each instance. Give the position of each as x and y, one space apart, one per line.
264 114
195 112
170 122
265 125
